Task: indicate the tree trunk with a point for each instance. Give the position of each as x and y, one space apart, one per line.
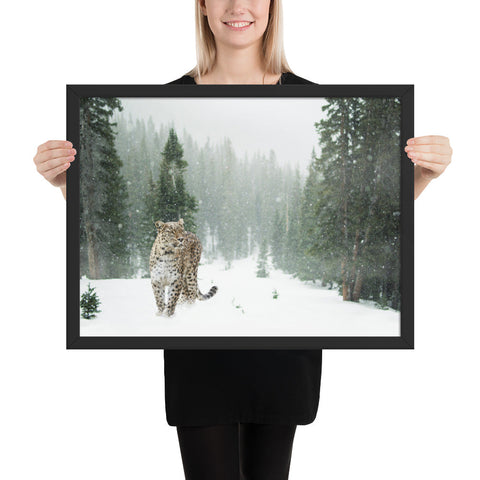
345 286
354 265
92 251
344 281
358 286
286 218
359 280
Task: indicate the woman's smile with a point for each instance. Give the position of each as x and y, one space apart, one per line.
238 26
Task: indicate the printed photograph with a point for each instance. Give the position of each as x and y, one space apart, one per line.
240 216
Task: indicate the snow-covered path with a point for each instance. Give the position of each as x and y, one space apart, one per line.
243 306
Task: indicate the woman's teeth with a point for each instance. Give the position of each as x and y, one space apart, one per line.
240 24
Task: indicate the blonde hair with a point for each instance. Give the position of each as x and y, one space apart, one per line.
272 47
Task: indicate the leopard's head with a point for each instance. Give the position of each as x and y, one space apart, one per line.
170 236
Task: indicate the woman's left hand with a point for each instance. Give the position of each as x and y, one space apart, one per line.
431 153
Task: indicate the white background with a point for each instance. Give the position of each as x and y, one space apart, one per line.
100 414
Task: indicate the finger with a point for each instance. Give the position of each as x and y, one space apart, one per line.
428 139
48 165
56 153
440 149
51 144
429 157
51 174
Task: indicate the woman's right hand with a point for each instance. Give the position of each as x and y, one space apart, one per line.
53 159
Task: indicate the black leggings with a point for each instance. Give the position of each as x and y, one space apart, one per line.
239 451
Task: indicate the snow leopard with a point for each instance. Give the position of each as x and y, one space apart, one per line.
174 261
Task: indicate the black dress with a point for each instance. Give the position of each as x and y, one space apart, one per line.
211 387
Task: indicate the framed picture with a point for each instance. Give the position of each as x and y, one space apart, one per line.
240 216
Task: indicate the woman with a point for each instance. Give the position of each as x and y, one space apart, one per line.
236 411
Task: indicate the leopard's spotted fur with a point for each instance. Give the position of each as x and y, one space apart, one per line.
174 261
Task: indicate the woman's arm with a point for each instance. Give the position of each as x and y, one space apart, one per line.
419 182
431 155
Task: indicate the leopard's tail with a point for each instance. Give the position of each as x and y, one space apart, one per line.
206 296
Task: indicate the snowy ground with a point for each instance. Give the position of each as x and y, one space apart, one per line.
301 309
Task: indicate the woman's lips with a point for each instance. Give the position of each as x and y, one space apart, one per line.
238 29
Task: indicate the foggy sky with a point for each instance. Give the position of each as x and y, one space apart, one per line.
285 125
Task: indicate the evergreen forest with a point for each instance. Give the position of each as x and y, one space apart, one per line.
337 223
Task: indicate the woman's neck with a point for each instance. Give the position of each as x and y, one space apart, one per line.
238 66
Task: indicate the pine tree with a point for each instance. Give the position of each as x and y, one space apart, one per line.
278 241
103 200
89 303
172 199
311 265
295 233
231 233
262 270
147 231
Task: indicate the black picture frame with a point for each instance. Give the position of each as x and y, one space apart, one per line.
405 93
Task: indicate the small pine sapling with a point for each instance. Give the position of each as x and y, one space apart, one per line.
89 303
